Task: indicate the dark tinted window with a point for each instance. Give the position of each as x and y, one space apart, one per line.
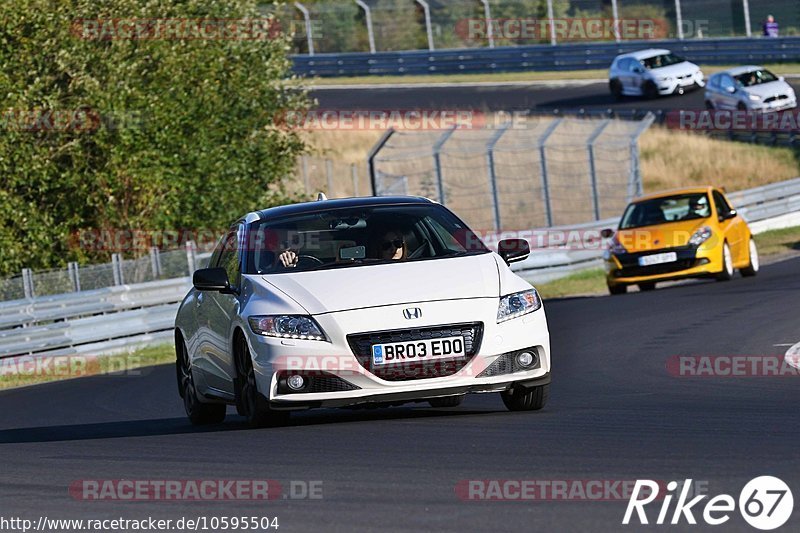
723 207
229 257
755 77
668 209
350 237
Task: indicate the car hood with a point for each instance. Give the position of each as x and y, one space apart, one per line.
679 69
342 289
671 235
765 90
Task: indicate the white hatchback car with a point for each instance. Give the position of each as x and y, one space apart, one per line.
749 88
651 73
358 302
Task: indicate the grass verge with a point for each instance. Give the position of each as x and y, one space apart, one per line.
22 371
771 244
781 69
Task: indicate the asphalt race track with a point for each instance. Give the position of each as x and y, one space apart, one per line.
615 414
542 97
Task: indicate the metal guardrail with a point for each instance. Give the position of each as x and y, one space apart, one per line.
542 57
758 206
115 318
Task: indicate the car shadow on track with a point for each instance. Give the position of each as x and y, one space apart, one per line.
177 426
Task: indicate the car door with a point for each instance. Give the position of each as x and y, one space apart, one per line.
219 311
713 91
733 227
727 93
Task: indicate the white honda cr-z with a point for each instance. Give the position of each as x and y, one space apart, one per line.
358 302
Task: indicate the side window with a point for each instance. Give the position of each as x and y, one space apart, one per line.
726 82
714 82
213 261
229 257
723 207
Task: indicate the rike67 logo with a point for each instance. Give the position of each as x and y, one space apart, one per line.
765 503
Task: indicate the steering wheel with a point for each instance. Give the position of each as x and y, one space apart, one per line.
310 259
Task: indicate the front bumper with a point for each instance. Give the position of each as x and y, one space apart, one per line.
336 361
774 106
680 85
624 269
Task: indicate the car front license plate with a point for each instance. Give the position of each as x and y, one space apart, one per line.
421 350
657 259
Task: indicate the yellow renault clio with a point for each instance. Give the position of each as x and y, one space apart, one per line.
687 233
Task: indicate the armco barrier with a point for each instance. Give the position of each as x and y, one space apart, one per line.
543 57
113 319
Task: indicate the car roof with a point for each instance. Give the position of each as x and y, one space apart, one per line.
737 71
645 54
674 192
339 203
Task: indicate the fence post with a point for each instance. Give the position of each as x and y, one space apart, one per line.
679 18
548 211
427 9
373 153
437 148
635 177
370 33
493 175
307 18
27 283
746 7
74 276
116 268
551 22
354 174
487 15
191 259
615 14
592 169
329 176
155 261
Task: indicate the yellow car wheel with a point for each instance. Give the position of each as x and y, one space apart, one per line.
727 264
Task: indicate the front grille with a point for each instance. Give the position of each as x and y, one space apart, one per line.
776 98
654 270
361 344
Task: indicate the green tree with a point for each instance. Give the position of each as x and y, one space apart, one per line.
180 131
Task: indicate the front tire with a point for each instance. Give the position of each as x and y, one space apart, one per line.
727 264
752 268
250 402
521 399
199 413
617 289
615 86
650 90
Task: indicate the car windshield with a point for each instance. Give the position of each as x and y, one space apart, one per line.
347 237
663 60
755 77
667 209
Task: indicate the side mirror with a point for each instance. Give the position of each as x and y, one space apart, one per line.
730 214
781 78
513 250
211 279
607 233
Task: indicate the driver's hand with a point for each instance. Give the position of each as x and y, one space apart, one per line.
288 259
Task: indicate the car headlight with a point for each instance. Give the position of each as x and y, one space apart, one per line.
287 327
665 78
754 97
700 236
615 247
518 304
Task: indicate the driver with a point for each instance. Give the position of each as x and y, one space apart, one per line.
698 207
392 245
